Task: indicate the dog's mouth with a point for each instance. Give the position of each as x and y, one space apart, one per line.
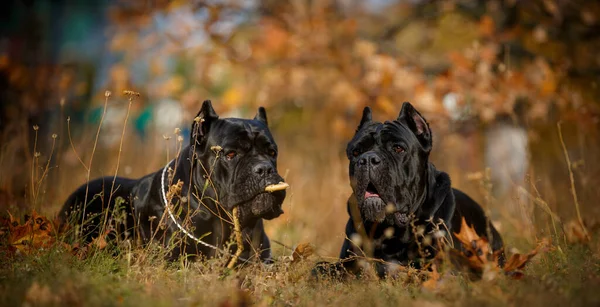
265 204
371 191
374 208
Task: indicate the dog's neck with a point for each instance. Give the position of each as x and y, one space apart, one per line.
438 184
200 195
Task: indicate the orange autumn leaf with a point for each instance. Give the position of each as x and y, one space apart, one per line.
302 251
476 248
100 242
476 254
576 232
434 277
487 27
36 233
466 234
517 262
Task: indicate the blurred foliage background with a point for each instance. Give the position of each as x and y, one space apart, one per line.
493 78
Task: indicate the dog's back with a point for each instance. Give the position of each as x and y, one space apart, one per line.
99 192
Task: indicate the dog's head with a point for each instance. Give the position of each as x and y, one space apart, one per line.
388 165
236 159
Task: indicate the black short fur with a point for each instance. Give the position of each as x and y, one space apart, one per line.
396 190
238 173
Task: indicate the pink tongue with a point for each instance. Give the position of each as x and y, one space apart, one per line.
369 194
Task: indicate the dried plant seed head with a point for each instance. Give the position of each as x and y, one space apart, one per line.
356 239
54 136
177 130
62 102
107 94
438 234
388 232
37 154
180 138
36 127
427 240
166 137
390 208
131 93
216 148
197 119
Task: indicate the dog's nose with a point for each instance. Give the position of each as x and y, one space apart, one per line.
370 158
263 169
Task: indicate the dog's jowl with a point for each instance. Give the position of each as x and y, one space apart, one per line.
399 197
227 164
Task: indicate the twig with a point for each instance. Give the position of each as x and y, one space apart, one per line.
73 145
238 238
89 168
544 205
571 177
282 244
33 164
46 169
112 187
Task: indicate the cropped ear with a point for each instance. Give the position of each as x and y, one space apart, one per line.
417 124
205 117
261 115
366 118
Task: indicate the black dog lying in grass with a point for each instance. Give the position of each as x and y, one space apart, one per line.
228 164
400 201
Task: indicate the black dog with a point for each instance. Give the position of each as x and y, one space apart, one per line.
228 163
399 197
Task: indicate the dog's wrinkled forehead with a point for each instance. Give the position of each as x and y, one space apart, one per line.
366 136
409 131
240 133
396 131
377 134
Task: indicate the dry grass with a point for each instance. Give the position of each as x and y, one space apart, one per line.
315 212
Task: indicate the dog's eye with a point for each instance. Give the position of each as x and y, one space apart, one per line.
398 149
355 153
272 153
230 155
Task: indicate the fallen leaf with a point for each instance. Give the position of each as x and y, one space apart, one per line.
36 233
517 262
475 255
487 26
100 242
302 251
434 277
476 248
576 232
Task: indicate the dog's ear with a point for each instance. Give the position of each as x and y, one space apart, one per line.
261 115
417 124
205 117
366 117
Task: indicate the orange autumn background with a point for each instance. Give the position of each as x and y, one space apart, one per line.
510 89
